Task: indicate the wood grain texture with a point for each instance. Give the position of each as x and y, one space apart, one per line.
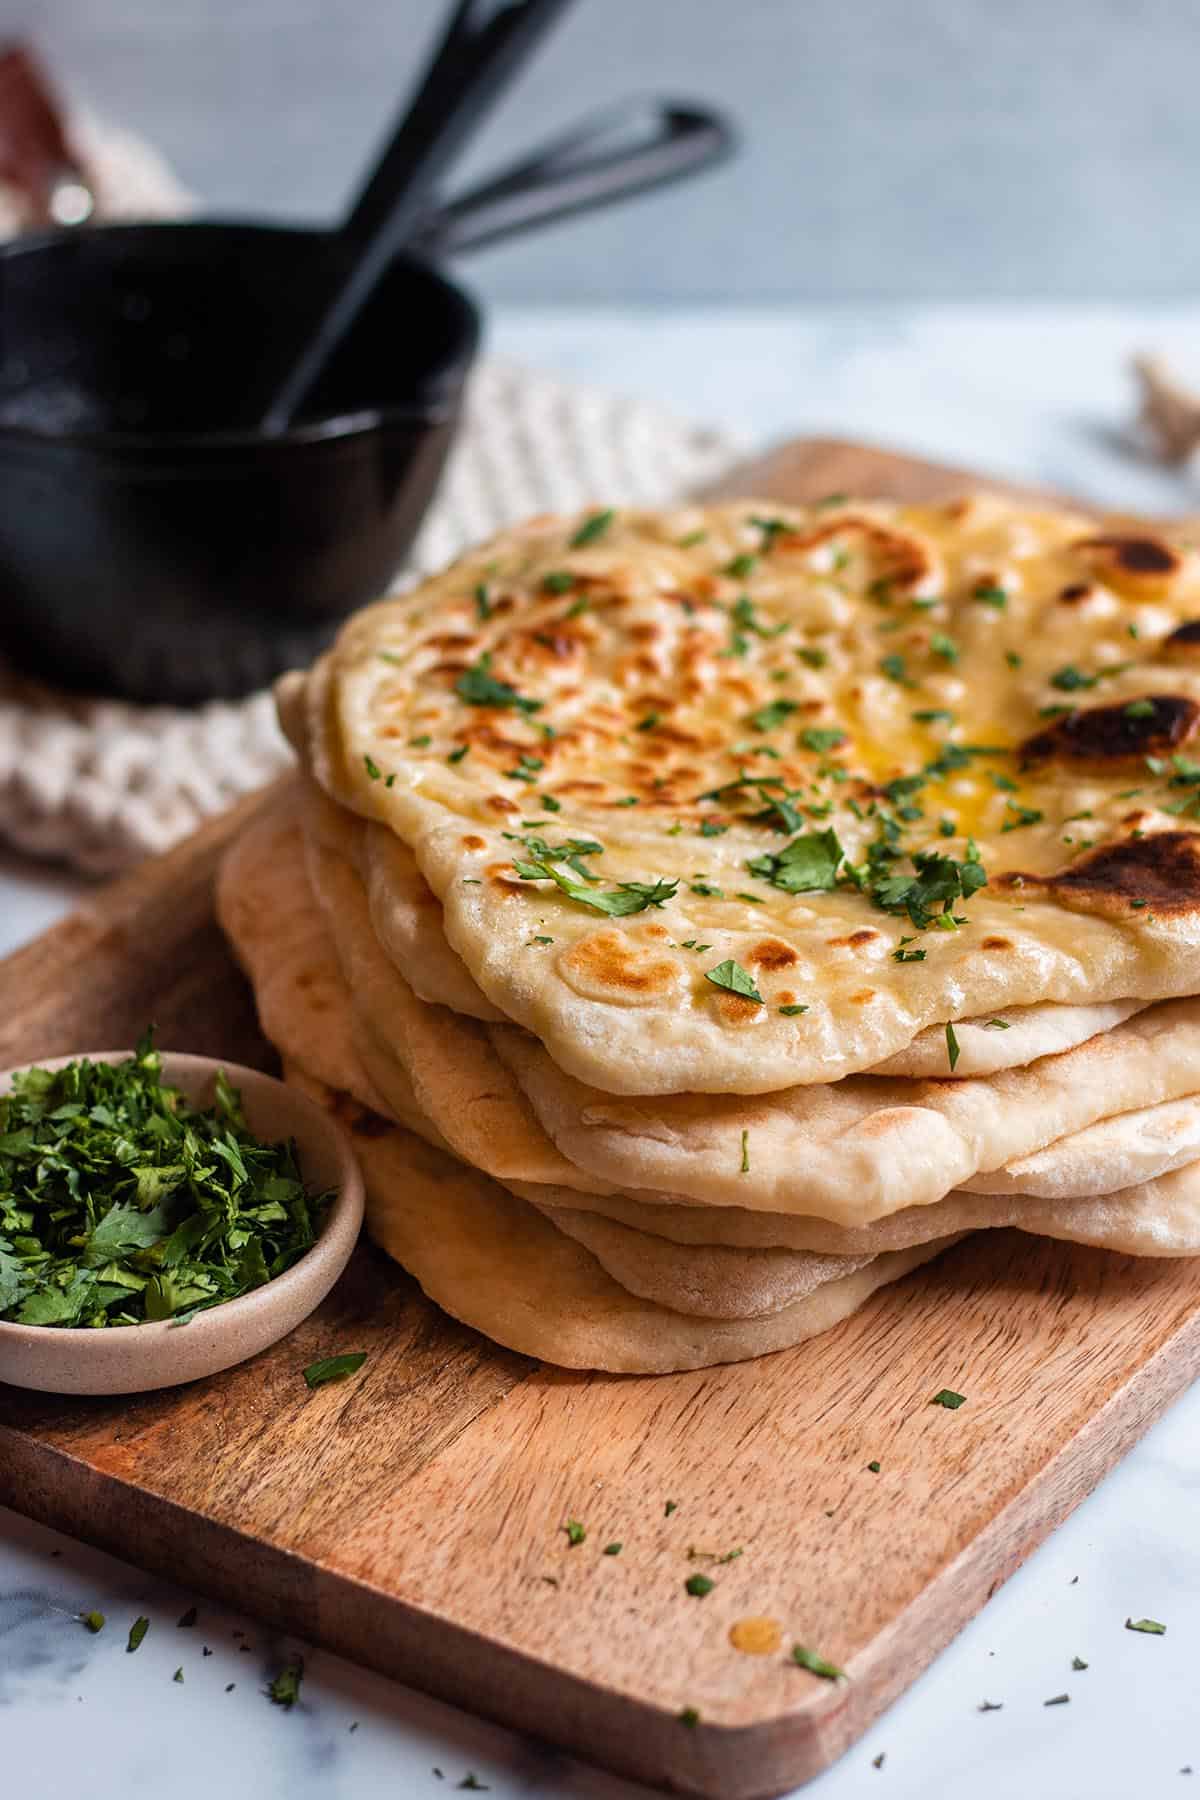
412 1518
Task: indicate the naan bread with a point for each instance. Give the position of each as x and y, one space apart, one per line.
1113 1154
850 1152
860 1149
794 665
496 1264
281 941
407 919
711 1261
1159 1217
1020 1036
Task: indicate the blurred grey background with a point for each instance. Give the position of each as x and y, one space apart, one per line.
943 149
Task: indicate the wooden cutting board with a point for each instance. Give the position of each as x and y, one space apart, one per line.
412 1517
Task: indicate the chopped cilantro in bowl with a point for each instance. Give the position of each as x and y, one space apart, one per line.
148 1189
121 1203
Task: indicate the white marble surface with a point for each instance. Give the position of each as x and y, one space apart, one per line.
1033 393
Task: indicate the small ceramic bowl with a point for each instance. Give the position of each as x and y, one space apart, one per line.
131 1359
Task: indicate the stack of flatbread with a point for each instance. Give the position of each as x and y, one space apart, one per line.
711 914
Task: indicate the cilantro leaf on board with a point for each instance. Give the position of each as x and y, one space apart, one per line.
334 1368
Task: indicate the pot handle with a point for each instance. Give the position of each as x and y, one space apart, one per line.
621 151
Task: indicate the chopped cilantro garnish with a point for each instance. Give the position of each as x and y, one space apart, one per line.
285 1689
420 743
944 646
952 1050
741 566
1021 815
991 596
93 1620
649 722
612 1549
1139 709
593 527
670 1507
816 1665
1150 1626
874 1467
809 863
931 715
627 897
137 1632
768 718
692 538
745 1166
813 656
456 756
372 767
893 667
996 1025
821 738
576 1533
689 1717
699 1585
1057 1700
121 1203
1077 1663
578 606
949 1399
558 581
483 605
791 1012
712 828
478 688
334 1368
731 976
527 769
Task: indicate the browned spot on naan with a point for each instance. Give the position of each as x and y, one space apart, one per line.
772 953
901 559
608 964
1160 870
736 1009
1077 591
499 804
1134 563
470 842
854 941
996 943
1105 737
1184 641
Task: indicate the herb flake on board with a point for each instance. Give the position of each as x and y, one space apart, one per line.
816 1665
334 1368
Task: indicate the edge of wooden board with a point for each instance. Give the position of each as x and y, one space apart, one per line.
755 1759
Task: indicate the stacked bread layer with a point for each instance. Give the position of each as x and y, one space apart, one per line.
513 979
